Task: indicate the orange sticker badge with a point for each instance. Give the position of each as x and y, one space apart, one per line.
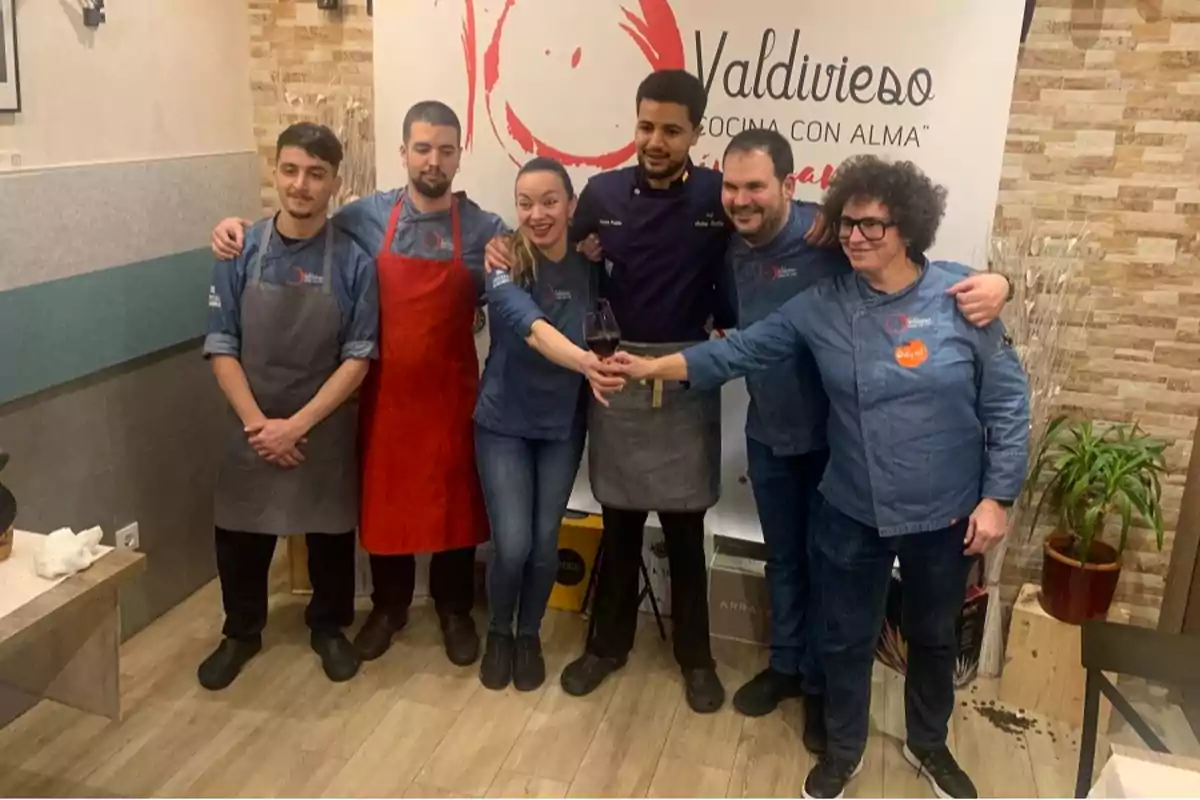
911 354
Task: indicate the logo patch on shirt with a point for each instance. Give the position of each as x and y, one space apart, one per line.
214 299
302 278
500 277
899 323
912 354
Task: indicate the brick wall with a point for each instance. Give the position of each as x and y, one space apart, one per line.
1105 128
306 64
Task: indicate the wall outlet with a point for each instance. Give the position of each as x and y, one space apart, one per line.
127 537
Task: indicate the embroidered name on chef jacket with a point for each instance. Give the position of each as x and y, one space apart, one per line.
710 220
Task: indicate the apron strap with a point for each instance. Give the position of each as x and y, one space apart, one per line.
393 222
264 242
456 229
327 266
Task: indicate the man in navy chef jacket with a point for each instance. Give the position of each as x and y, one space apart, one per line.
292 324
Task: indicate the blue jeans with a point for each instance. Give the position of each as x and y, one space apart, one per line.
855 565
785 492
526 486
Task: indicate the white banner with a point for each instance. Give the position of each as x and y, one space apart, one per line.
925 80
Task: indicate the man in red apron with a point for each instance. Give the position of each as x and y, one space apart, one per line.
420 488
292 325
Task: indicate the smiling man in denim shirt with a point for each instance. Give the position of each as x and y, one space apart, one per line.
928 433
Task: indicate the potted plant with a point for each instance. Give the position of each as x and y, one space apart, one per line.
1093 477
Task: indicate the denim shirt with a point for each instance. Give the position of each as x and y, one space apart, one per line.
522 392
788 405
354 287
928 414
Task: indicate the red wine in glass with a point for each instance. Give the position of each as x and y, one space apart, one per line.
600 330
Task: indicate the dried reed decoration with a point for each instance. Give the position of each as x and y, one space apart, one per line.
340 108
1045 320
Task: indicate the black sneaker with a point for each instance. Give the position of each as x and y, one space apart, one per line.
496 669
763 693
944 774
704 691
225 663
815 737
375 636
829 777
585 674
460 639
339 659
529 667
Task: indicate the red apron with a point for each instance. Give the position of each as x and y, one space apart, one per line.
420 487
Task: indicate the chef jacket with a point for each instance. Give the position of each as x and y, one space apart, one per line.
665 271
928 414
522 392
422 235
788 406
296 262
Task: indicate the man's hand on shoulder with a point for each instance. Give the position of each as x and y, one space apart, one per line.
497 256
229 237
591 249
981 297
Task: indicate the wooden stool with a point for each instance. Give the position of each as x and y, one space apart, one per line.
1043 666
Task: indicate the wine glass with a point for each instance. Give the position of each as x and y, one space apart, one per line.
600 330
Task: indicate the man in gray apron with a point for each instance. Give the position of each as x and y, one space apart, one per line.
293 324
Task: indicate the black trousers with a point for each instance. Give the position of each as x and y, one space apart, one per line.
243 561
616 605
451 581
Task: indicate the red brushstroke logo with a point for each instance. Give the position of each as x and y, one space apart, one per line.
654 30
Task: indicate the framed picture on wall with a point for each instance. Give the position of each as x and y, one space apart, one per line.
10 84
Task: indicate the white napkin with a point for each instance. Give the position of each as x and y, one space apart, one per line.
65 552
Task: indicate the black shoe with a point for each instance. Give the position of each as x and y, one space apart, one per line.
375 636
944 774
705 694
585 674
815 738
763 693
339 659
460 639
496 669
529 668
829 777
225 663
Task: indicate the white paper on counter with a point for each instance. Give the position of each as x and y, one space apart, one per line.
19 582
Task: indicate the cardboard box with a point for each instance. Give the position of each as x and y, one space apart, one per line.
578 542
738 602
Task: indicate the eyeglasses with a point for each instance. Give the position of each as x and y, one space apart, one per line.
871 229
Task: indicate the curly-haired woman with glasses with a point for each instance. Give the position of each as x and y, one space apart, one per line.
928 434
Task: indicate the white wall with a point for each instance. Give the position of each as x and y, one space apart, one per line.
161 78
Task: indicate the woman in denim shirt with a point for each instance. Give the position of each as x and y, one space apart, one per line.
928 433
530 419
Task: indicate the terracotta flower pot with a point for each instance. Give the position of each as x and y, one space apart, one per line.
1073 591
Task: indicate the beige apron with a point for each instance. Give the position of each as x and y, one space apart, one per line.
290 347
657 446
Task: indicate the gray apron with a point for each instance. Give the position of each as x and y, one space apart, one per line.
657 446
290 348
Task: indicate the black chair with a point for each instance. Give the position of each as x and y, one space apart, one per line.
647 591
1168 658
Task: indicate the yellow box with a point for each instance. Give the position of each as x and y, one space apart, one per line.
578 542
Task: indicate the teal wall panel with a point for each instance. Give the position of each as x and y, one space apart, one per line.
54 332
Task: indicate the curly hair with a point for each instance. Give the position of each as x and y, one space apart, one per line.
916 204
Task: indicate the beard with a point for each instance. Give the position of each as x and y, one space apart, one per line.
672 167
770 225
433 188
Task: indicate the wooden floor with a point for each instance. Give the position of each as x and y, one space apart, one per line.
411 724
